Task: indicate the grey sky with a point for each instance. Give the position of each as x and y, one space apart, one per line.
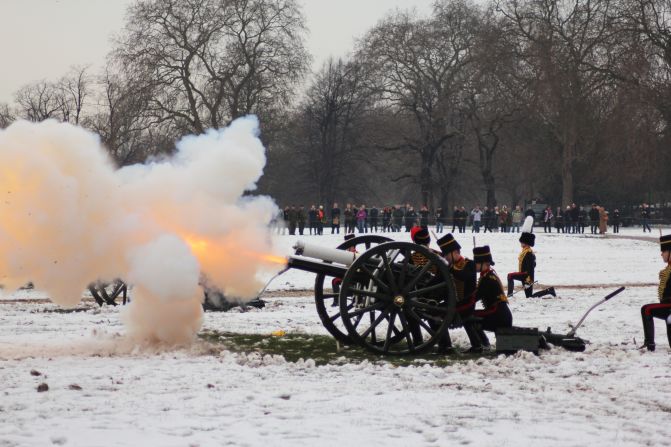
42 39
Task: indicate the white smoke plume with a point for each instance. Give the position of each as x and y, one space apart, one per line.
69 217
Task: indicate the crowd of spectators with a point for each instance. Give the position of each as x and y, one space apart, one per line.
362 219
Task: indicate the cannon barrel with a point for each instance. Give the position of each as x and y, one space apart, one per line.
314 266
327 254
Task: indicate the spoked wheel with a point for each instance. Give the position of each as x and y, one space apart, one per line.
107 293
396 306
327 302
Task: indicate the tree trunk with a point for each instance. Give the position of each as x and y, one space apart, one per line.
490 188
568 154
425 182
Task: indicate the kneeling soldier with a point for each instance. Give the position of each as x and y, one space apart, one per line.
463 273
526 267
662 309
496 313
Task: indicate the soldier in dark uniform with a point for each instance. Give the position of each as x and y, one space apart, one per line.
661 310
420 236
526 266
526 269
489 291
463 274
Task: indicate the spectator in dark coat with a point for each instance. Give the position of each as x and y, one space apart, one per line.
615 220
335 219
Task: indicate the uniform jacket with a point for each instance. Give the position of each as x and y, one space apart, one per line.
664 290
490 290
463 272
527 264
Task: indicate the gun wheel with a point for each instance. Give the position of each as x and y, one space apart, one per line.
328 301
393 305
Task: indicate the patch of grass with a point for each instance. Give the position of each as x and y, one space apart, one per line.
323 350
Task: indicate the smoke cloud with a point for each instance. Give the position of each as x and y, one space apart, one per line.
69 217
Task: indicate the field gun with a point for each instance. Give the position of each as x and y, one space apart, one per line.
385 301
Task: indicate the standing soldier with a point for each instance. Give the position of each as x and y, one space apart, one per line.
463 274
489 291
661 310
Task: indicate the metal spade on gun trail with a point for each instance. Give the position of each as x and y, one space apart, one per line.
570 341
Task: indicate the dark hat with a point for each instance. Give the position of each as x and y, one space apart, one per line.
349 236
482 254
447 244
420 235
528 238
665 242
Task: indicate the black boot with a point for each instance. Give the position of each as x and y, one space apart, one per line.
648 330
483 338
445 343
540 293
474 338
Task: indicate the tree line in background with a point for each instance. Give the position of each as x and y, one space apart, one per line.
562 101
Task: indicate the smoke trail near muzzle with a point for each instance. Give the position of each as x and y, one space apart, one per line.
68 217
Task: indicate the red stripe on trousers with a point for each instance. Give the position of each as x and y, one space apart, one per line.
650 307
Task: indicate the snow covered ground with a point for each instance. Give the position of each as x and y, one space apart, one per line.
104 391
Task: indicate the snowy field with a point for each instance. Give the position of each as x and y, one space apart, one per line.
103 391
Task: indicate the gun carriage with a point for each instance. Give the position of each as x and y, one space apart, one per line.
386 301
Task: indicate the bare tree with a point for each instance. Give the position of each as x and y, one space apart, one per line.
127 131
208 62
565 47
332 118
420 65
491 97
39 101
74 89
6 115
